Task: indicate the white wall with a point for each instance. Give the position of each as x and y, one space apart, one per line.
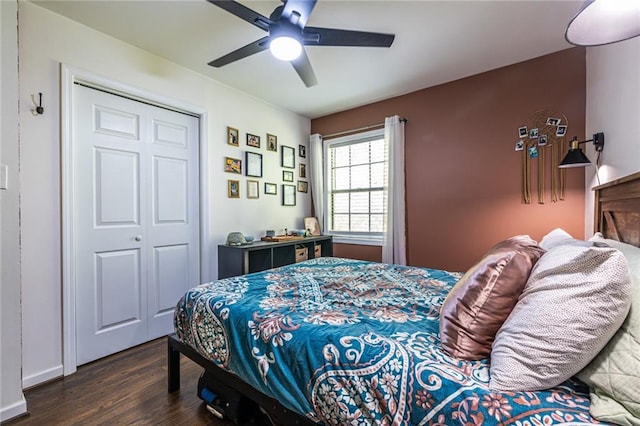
613 107
46 40
12 402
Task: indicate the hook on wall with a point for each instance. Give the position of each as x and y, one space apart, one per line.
38 110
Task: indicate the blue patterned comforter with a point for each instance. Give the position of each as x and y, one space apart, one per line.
352 342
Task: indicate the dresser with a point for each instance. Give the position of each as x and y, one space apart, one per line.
262 255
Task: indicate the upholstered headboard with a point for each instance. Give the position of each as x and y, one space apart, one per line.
618 209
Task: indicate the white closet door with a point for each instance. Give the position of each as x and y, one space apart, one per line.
173 226
135 219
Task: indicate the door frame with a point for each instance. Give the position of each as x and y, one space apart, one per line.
68 76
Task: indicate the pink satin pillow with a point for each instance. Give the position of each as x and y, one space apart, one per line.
477 306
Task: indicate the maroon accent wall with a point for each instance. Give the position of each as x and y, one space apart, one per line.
462 173
354 251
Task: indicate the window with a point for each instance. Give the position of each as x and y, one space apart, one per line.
356 176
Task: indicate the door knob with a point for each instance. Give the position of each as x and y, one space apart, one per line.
138 238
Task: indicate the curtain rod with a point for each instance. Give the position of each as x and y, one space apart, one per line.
360 129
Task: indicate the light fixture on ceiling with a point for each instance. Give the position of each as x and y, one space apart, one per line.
285 42
603 22
575 157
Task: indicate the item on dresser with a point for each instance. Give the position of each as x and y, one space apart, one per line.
278 238
235 239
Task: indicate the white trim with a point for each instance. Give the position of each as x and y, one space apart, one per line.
361 240
205 261
13 410
68 76
43 376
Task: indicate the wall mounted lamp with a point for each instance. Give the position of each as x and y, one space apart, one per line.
575 157
603 22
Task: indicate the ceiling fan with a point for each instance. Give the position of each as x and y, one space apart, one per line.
288 33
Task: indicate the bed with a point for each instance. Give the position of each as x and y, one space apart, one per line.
340 341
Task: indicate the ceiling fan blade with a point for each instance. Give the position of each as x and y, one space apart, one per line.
244 13
251 48
302 8
314 36
302 65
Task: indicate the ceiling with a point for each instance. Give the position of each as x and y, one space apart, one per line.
436 42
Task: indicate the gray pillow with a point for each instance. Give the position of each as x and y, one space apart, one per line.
574 301
614 375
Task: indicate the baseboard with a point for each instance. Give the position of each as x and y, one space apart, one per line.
13 410
42 376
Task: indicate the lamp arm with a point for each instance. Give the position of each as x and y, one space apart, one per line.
598 141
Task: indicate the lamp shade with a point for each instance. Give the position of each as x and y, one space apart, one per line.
603 22
574 158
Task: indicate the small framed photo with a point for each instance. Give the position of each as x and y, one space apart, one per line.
303 186
542 140
519 146
233 188
253 140
272 142
532 151
253 188
533 133
270 188
302 151
303 170
253 164
311 224
287 176
232 165
523 131
552 121
232 136
288 159
288 195
561 130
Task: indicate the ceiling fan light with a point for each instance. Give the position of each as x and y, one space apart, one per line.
604 21
285 48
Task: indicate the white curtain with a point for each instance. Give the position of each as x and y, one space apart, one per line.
394 243
316 177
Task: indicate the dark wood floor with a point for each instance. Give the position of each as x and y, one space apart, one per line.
124 389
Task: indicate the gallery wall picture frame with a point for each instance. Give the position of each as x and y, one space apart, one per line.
272 142
288 158
270 188
287 176
253 164
253 140
303 186
302 151
232 165
288 195
233 188
253 189
303 170
233 136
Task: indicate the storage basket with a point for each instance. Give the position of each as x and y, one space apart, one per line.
301 253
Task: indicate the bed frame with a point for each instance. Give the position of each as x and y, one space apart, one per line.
277 413
617 216
617 213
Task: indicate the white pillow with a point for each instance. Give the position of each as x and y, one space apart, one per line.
614 375
574 301
555 237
